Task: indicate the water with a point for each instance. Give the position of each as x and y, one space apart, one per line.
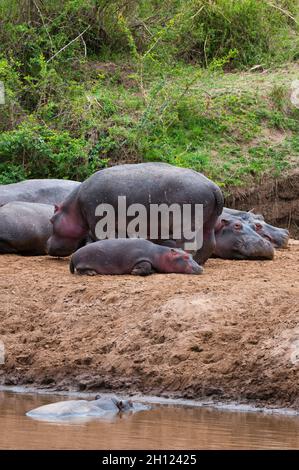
163 427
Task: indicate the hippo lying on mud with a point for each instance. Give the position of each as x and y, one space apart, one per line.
146 184
44 191
25 228
279 237
84 408
131 256
236 239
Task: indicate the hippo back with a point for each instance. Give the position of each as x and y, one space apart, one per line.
44 191
25 227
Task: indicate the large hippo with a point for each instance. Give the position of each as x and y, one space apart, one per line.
44 191
84 408
131 256
148 184
279 237
236 239
25 227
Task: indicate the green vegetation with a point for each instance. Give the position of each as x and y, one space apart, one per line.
197 83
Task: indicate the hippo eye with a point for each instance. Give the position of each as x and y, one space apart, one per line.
238 226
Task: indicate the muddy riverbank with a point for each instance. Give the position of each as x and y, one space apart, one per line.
230 334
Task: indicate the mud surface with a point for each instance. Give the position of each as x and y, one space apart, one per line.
231 333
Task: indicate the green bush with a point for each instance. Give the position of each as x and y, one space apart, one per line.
145 81
34 151
205 30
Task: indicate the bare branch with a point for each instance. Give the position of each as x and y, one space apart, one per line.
67 45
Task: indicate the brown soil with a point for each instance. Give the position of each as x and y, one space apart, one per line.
231 333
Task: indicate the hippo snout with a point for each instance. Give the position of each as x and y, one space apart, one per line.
61 247
285 235
261 249
196 268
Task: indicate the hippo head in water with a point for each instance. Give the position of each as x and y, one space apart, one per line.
236 239
123 405
175 260
279 237
69 230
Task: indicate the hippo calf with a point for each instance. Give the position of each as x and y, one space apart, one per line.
279 237
236 239
131 256
44 191
25 228
85 408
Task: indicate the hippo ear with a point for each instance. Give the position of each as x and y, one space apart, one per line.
56 208
220 224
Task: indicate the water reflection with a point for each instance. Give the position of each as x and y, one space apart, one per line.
166 427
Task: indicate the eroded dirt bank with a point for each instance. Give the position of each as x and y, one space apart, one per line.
231 333
276 198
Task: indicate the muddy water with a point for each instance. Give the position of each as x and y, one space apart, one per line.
163 427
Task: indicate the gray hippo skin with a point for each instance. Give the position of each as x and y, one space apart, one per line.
244 215
236 239
44 191
131 256
25 228
84 408
279 237
144 183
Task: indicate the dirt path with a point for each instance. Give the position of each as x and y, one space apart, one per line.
231 333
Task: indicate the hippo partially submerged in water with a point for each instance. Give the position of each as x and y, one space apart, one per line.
25 228
43 191
85 408
148 184
236 239
131 256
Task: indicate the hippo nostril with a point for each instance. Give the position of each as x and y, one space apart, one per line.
268 238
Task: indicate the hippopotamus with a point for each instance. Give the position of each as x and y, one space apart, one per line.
236 239
84 408
148 184
245 215
25 228
131 256
44 191
279 237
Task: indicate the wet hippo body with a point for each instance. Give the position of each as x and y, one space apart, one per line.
279 237
236 239
43 191
25 228
144 183
84 408
131 256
